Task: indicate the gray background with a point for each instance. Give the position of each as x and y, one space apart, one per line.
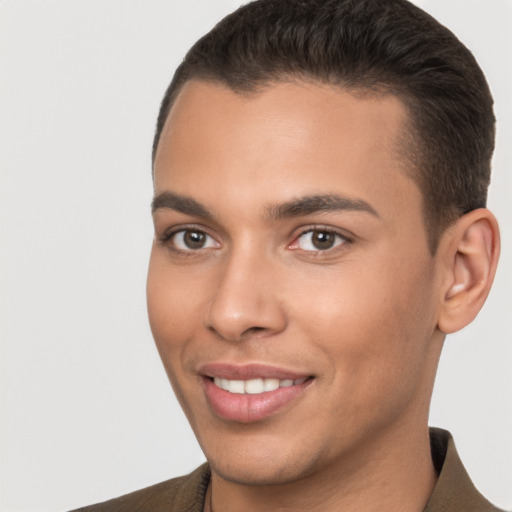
87 413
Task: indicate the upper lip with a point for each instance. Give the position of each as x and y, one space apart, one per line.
248 371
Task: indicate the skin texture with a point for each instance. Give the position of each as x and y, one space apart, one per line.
362 318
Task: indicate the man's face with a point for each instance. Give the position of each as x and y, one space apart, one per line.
291 291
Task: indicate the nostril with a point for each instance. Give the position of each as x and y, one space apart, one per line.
253 330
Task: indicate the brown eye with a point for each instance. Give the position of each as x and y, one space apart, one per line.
319 240
192 240
322 239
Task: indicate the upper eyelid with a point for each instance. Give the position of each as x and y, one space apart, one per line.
318 227
170 231
168 220
294 234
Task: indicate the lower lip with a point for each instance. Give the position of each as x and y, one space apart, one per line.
247 408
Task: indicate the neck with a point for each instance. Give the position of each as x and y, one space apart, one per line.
394 472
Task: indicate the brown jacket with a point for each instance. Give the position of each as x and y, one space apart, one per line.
453 492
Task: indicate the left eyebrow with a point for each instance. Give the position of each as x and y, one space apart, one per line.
318 203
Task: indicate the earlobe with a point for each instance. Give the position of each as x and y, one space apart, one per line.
470 258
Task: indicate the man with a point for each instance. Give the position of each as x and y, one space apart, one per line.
320 174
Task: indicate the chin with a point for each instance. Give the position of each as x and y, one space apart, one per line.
247 473
262 462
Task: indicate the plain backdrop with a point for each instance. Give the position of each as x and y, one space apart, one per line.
87 412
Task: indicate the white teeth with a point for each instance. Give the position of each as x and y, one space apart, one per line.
270 384
236 386
221 383
254 386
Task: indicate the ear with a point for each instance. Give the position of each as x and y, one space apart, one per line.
470 255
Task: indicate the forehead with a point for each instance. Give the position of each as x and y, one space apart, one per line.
291 107
290 138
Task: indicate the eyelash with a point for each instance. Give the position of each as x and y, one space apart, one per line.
167 237
343 240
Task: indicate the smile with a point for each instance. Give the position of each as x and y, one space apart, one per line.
253 392
255 386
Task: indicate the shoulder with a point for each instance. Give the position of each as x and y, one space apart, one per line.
183 494
454 491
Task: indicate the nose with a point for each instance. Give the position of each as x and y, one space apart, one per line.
246 300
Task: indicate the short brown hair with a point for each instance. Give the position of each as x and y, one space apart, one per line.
367 45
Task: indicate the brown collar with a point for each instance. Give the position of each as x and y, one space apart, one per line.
454 491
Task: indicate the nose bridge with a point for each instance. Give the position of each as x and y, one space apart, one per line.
246 298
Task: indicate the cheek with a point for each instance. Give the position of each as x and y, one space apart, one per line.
373 327
172 299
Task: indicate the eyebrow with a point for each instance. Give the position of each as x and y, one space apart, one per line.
294 208
179 203
319 203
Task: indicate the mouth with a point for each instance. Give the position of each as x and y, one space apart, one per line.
251 393
255 386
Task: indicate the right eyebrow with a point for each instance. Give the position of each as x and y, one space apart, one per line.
183 204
